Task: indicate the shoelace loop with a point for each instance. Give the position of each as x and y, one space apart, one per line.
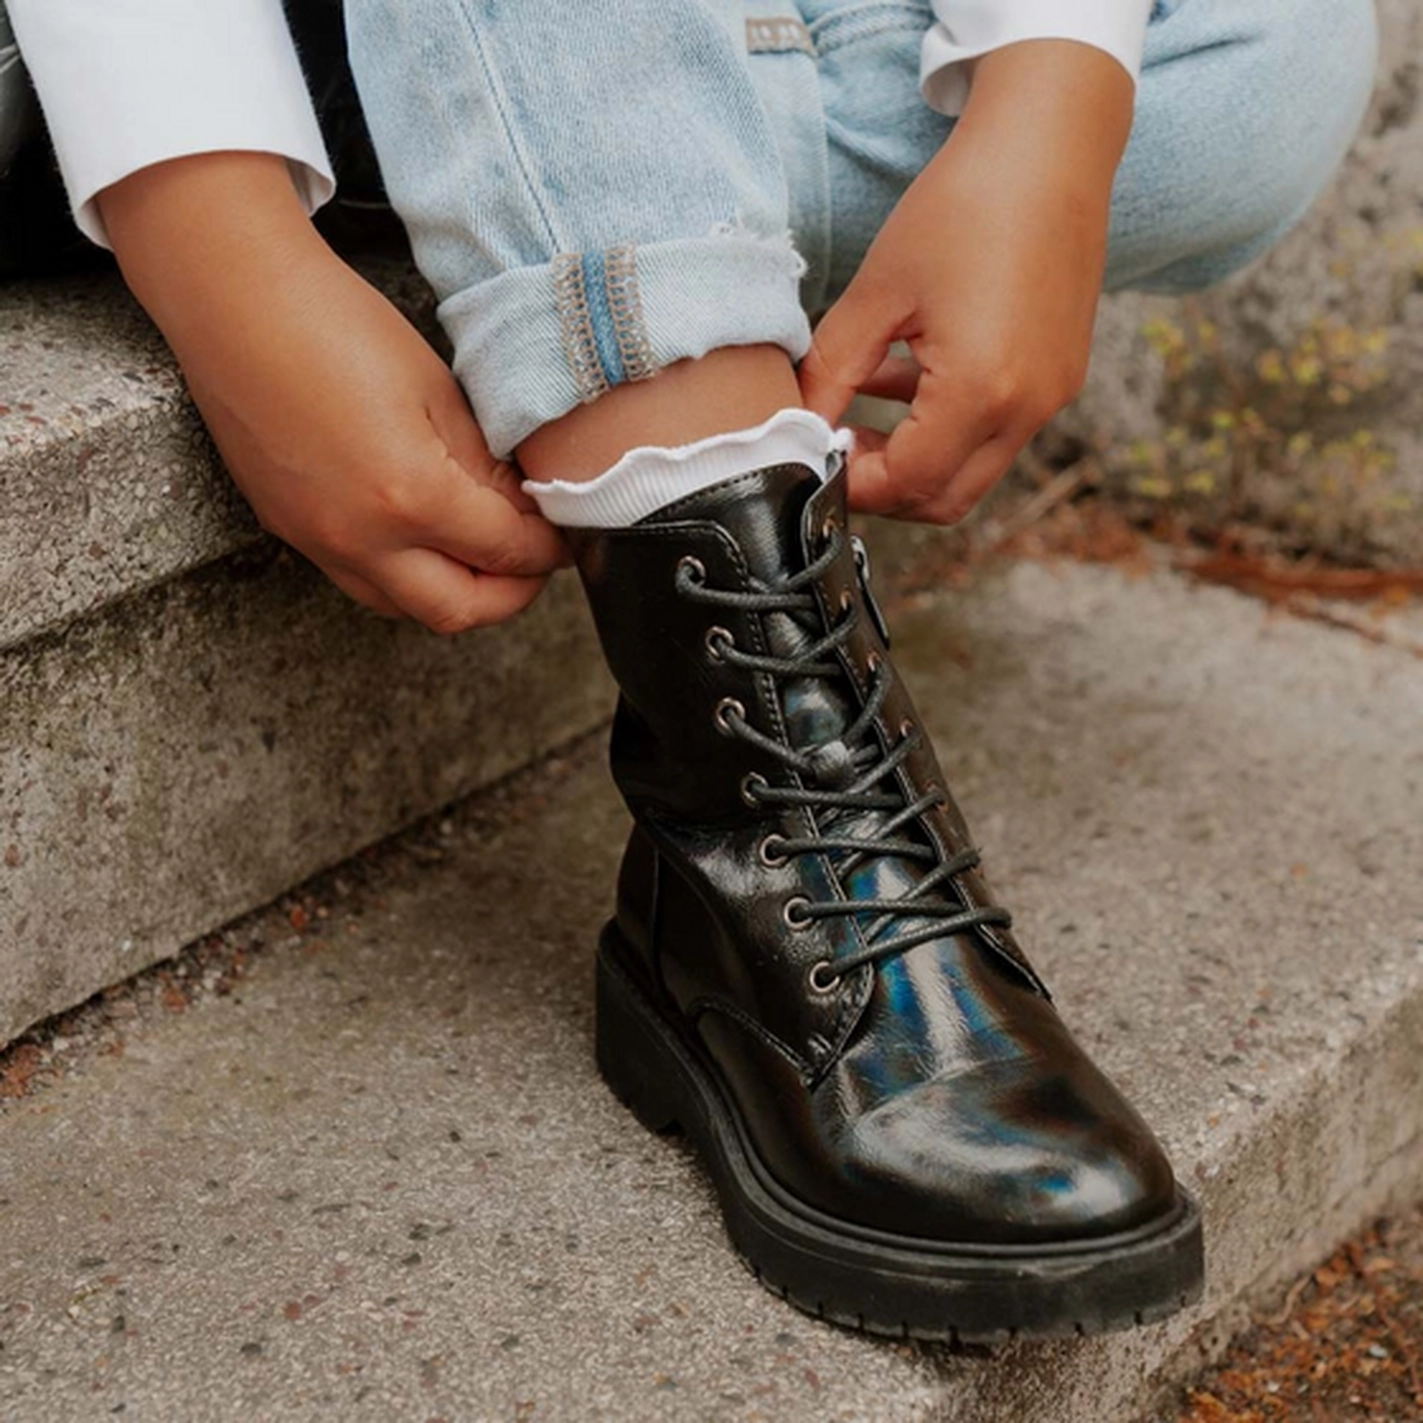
842 775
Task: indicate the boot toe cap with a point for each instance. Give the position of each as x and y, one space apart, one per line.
1006 1154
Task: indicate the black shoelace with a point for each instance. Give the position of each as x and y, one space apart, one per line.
858 763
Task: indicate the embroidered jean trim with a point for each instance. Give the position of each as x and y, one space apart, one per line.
778 36
625 306
575 319
857 23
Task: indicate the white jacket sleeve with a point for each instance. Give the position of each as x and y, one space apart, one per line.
965 29
128 83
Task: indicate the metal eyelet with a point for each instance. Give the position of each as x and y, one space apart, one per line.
907 728
822 977
718 640
847 601
725 709
828 528
793 913
873 663
768 857
750 783
694 569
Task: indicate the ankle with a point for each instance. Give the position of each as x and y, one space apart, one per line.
734 388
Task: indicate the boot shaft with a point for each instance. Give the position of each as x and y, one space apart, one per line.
684 601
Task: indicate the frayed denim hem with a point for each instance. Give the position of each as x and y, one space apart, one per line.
616 315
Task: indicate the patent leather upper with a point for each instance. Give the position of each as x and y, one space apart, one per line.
934 1093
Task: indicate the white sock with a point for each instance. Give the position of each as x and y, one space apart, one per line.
647 478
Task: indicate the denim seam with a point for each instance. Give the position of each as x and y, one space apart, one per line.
575 320
850 14
625 306
605 336
834 31
516 147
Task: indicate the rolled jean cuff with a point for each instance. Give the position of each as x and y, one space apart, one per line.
534 342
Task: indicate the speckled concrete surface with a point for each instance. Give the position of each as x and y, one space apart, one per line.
189 721
191 751
381 1180
107 481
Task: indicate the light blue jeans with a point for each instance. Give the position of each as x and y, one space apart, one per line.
598 189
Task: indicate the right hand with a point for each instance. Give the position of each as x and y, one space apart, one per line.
998 310
348 435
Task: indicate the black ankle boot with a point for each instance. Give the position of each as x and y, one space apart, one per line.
807 972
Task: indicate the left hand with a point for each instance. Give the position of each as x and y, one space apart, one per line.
990 269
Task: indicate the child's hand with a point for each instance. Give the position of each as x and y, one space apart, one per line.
990 268
348 435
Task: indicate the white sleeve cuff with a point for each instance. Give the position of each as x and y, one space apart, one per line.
965 29
128 83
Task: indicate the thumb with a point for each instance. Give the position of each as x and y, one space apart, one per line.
848 347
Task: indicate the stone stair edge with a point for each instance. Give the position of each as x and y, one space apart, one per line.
108 484
189 753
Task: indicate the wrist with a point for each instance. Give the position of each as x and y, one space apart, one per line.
1056 108
198 234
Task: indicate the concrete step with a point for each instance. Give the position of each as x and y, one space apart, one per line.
190 720
194 750
372 1173
107 484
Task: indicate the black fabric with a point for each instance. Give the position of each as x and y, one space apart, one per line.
38 237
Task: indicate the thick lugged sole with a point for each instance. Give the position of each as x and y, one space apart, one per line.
867 1279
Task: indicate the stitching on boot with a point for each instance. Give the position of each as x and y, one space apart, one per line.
698 1006
575 320
625 304
778 36
852 1008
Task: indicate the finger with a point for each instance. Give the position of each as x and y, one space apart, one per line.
847 348
869 489
922 454
455 425
896 379
362 590
448 597
978 475
477 525
866 475
453 421
507 478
